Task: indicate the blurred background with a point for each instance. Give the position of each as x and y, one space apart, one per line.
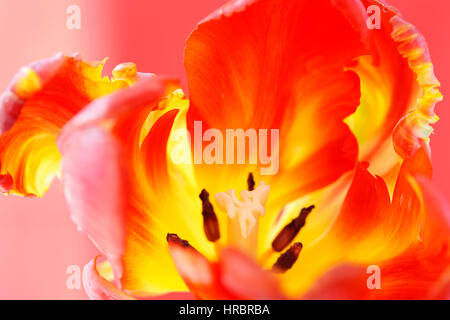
38 241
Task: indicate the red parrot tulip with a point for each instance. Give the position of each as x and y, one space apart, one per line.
350 192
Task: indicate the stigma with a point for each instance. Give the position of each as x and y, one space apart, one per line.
247 210
243 214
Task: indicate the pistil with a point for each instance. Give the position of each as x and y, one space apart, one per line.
243 215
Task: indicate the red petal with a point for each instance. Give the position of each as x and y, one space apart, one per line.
441 290
409 242
344 282
435 228
273 65
363 212
369 225
200 276
235 276
412 275
6 183
245 279
154 149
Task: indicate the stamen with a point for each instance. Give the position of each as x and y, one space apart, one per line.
287 259
173 238
290 231
210 222
250 182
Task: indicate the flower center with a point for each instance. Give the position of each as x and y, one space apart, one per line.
243 217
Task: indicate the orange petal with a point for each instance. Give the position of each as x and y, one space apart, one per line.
369 224
370 228
41 98
155 157
273 65
435 227
412 275
363 212
356 234
419 272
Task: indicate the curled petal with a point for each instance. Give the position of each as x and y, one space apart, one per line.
39 101
98 281
99 288
415 127
398 91
96 201
129 204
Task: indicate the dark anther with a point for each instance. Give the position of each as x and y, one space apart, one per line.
287 259
210 222
250 182
174 238
288 233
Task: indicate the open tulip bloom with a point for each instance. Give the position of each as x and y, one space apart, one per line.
334 201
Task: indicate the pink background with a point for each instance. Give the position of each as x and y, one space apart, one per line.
37 239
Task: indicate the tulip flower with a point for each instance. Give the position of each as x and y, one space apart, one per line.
354 109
